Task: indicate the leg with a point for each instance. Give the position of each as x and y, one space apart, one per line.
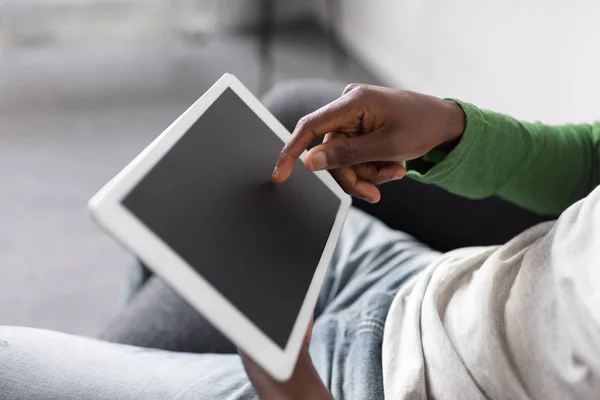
157 317
137 276
369 259
370 263
369 256
39 364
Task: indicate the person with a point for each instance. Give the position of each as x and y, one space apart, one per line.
395 318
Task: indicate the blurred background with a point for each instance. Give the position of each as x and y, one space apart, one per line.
86 84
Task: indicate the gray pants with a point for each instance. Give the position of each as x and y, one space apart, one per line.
159 348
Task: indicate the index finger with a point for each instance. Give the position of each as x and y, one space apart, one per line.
332 117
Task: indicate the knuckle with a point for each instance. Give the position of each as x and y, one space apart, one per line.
351 87
342 180
349 153
282 154
303 122
371 171
359 91
347 187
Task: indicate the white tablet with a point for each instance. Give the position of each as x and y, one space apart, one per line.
199 208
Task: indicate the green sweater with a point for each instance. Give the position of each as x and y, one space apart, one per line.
538 167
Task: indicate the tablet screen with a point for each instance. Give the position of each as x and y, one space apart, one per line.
211 200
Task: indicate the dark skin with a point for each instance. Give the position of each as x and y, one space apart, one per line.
303 384
369 132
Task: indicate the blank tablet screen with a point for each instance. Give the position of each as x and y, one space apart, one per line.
210 198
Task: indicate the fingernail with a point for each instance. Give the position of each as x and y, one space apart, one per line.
274 174
318 161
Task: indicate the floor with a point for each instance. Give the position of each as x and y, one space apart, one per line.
72 115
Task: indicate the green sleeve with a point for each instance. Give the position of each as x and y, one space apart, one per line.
538 167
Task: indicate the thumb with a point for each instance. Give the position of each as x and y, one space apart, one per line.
348 151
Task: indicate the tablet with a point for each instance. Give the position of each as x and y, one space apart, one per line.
198 207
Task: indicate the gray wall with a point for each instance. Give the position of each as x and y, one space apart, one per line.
536 59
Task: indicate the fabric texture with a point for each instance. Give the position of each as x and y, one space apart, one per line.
539 167
518 321
369 264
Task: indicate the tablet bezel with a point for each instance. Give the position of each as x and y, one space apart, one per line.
107 209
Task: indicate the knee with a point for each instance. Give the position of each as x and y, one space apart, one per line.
22 348
12 340
290 101
18 367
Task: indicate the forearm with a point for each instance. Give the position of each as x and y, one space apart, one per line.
541 168
304 383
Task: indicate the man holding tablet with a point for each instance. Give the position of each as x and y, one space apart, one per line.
394 317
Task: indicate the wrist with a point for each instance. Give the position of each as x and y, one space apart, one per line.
455 121
309 385
305 383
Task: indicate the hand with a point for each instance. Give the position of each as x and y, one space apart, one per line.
303 384
369 132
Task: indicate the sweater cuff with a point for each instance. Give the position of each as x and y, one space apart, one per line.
439 168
